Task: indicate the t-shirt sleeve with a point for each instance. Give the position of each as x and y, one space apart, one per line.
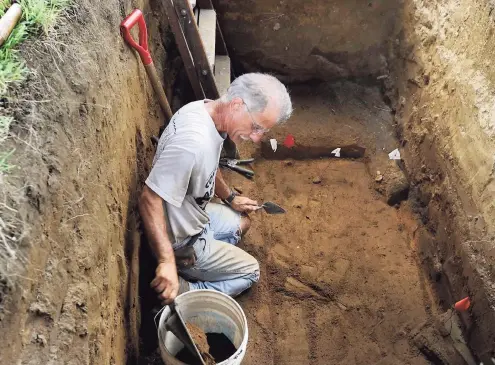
170 175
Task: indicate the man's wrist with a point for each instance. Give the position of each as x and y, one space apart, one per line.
228 200
166 255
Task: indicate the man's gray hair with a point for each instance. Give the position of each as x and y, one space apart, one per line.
256 89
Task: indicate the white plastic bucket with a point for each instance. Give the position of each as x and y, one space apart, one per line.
213 312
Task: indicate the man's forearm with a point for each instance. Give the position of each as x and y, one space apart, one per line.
153 217
222 190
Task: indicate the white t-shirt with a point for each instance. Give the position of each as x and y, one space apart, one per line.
184 170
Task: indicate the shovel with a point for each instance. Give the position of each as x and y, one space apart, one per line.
136 17
272 208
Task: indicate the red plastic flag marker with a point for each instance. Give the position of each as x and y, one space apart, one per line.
289 141
463 304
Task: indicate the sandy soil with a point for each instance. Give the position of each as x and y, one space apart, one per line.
441 87
340 282
82 153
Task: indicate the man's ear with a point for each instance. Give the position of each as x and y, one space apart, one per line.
237 103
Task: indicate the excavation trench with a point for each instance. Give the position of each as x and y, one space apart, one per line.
371 254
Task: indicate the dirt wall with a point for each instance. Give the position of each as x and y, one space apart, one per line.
83 148
442 65
302 40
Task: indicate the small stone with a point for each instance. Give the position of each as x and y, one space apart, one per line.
276 26
289 163
82 306
379 178
317 180
341 306
298 206
42 308
40 339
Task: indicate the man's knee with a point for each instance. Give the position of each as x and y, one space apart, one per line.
253 267
245 224
253 276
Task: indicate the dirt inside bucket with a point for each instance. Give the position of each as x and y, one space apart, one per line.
214 347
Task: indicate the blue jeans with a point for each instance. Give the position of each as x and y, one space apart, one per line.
220 265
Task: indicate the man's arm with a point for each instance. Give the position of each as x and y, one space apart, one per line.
166 281
222 190
240 203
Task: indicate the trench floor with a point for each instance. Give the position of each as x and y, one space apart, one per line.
340 280
340 283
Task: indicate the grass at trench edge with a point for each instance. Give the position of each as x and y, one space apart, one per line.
38 17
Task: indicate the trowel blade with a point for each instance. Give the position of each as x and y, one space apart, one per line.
272 208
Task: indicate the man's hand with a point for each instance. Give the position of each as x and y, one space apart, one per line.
166 282
244 204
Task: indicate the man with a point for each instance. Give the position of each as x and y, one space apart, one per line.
175 206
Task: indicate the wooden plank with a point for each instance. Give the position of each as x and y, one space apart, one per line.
197 49
182 45
207 24
203 69
222 73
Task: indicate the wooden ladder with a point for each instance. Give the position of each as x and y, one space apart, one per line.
203 51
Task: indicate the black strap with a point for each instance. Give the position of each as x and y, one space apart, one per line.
231 197
193 239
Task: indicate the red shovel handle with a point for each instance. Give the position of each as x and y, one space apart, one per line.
137 17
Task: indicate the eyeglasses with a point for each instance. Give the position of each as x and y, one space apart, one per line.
257 129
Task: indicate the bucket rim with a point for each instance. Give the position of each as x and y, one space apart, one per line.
242 347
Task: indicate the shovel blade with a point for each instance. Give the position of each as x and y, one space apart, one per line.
272 208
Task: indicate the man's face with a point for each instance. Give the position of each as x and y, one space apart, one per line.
247 125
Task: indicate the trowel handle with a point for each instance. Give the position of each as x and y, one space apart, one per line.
125 27
157 315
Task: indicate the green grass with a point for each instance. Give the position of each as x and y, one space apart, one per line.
5 166
38 17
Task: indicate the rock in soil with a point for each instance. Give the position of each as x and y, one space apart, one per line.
437 348
393 184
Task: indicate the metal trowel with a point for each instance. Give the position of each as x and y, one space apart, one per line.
272 208
175 324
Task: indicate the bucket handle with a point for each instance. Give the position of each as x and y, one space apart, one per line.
156 315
